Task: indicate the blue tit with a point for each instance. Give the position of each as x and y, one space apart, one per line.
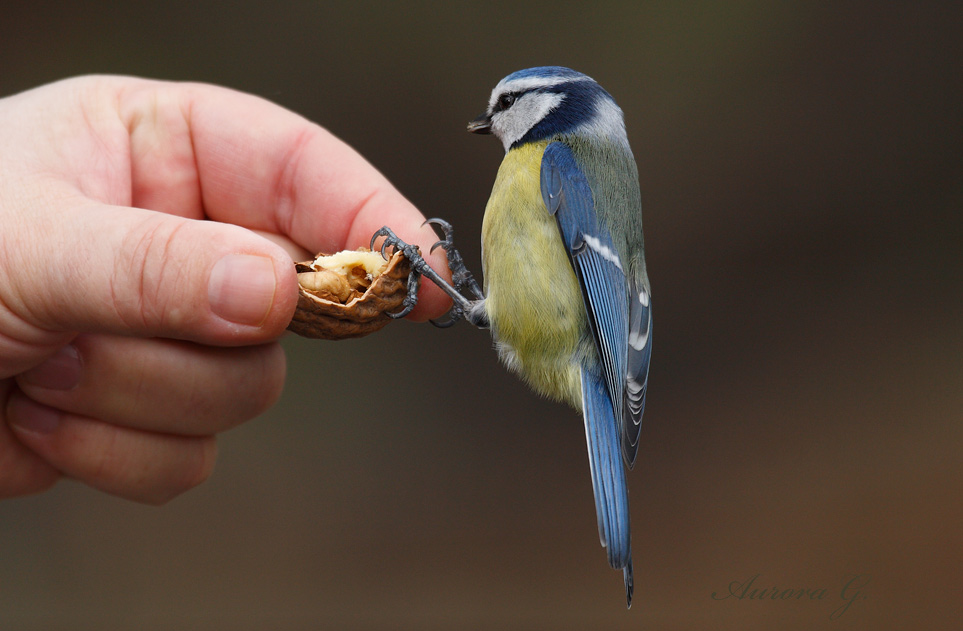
565 290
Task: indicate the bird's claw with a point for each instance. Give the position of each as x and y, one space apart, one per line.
461 277
454 314
410 252
419 267
411 298
444 324
446 229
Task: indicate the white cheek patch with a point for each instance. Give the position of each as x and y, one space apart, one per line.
511 124
603 250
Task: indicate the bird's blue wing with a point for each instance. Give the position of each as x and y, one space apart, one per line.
568 196
618 307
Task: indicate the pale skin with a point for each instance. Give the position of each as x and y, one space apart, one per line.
130 332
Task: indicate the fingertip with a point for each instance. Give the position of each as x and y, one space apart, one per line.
243 288
285 298
30 419
24 471
195 470
252 289
28 478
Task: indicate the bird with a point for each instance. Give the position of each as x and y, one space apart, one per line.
565 289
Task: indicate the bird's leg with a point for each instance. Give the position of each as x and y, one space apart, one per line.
461 277
462 308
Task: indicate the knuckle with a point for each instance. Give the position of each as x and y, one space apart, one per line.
286 184
147 279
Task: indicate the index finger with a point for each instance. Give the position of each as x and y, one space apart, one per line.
261 166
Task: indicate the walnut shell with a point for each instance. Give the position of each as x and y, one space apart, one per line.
321 314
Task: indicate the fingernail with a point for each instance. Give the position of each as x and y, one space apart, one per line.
59 372
32 417
241 288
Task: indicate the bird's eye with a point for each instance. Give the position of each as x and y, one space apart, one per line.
505 101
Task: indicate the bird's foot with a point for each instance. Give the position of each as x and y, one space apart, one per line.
461 277
461 308
413 254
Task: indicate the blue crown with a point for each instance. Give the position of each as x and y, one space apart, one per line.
544 72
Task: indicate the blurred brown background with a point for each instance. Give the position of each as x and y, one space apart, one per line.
802 183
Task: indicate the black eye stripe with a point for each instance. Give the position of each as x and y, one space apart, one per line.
504 102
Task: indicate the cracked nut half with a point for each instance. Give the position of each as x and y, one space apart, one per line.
348 294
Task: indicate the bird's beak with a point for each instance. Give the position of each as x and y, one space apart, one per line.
481 125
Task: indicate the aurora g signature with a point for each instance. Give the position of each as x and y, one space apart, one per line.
850 590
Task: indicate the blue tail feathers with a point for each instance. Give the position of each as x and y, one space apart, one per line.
603 437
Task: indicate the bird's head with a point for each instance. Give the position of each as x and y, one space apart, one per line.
546 102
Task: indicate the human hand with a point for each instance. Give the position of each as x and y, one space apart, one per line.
131 331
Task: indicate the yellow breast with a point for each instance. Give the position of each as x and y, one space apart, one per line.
533 299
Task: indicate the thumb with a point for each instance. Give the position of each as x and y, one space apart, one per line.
138 272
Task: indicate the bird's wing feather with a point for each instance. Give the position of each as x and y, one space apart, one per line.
640 350
568 196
